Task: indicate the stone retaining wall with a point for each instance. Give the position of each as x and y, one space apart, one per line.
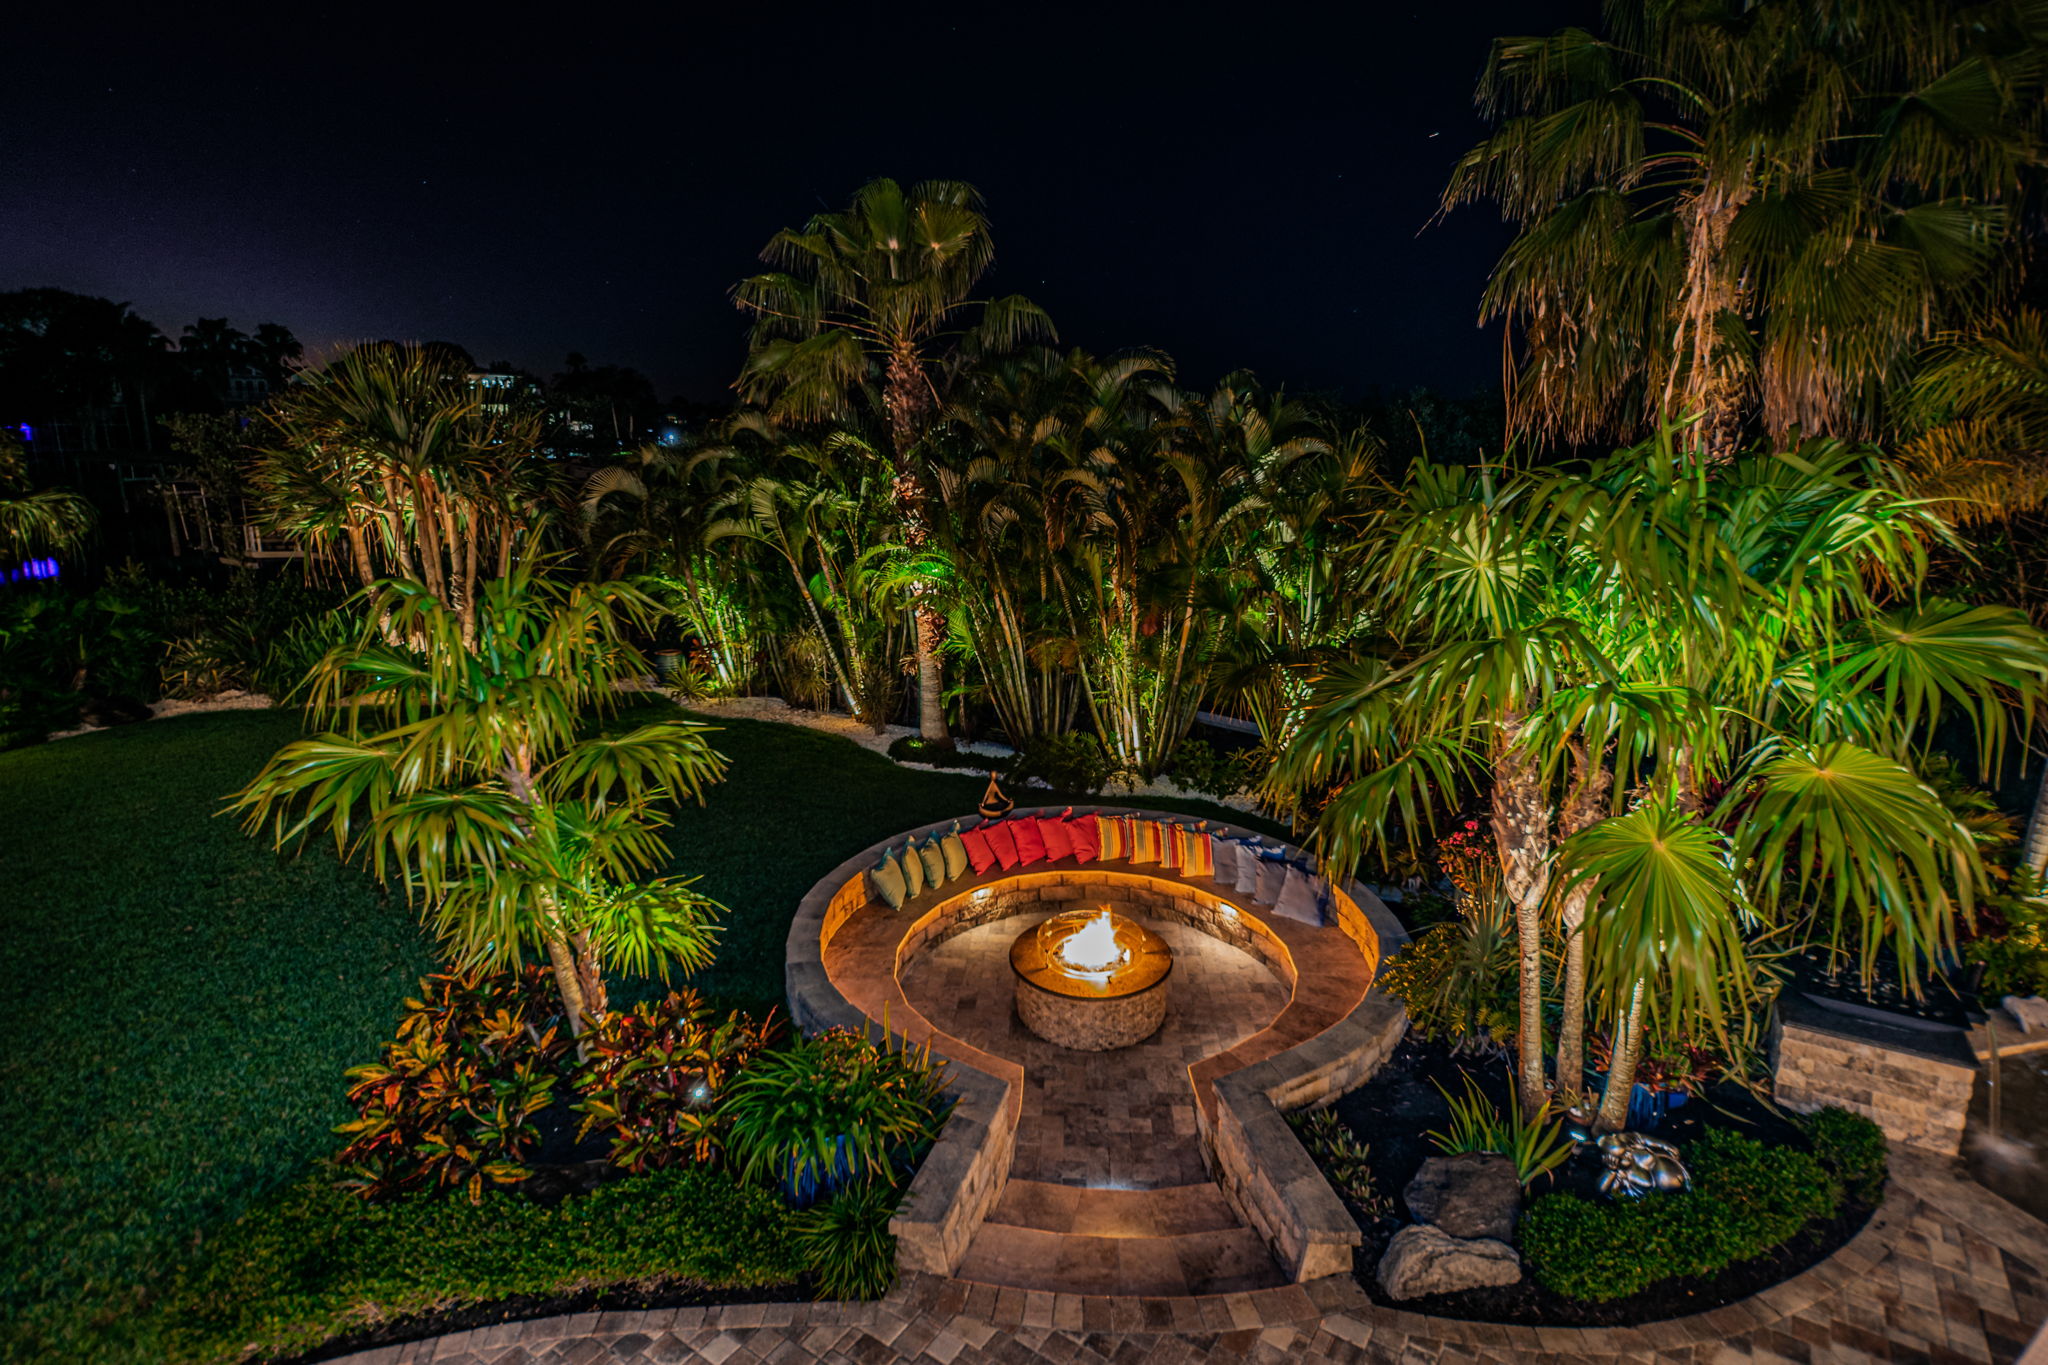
1913 1080
1251 1151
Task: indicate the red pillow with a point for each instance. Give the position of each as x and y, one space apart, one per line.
1087 843
1030 844
1054 832
1003 842
979 855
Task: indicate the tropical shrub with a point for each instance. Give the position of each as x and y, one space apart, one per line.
312 1263
1345 1161
1851 1147
1536 1145
1071 762
1457 981
2010 938
1199 766
917 749
833 1109
1745 1199
846 1241
451 1105
1670 1061
654 1074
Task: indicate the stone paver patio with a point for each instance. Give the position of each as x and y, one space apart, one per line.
1945 1273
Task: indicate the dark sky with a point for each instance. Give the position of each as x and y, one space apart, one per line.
1240 187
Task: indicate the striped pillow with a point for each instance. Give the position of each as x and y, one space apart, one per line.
1148 841
1191 852
1112 837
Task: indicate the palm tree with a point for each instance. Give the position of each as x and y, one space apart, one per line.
1571 633
1729 210
1488 673
463 768
35 521
1977 423
387 457
871 308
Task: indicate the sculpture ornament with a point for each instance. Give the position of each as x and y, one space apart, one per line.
1638 1164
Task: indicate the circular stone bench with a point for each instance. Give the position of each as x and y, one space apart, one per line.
843 966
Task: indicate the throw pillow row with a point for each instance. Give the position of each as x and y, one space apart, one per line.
1259 870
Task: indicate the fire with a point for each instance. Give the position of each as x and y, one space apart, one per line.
1092 950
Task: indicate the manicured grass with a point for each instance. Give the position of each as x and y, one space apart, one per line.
184 1003
314 1263
186 1000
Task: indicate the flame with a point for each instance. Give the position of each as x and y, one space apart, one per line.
1092 950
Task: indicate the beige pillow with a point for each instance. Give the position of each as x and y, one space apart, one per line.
913 871
887 880
955 853
934 859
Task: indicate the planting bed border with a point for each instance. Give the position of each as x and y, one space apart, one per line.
1303 1059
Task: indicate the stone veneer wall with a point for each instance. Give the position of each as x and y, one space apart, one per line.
1248 1145
1252 1151
1914 1082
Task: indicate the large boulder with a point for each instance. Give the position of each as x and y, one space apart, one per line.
1427 1260
1474 1195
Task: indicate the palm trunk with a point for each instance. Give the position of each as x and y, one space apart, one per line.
1621 1068
1521 828
1703 380
1587 805
562 959
2035 849
929 628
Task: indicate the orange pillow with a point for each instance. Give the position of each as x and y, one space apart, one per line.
1112 837
1146 841
1053 831
1003 841
1030 843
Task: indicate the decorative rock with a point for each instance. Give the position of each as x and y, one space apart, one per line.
2030 1010
1473 1195
1426 1260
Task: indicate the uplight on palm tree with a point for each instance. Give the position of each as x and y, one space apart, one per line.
465 768
871 309
1728 211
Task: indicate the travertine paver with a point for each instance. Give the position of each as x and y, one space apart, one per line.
1946 1273
1122 1119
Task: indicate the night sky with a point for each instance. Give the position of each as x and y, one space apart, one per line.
1246 187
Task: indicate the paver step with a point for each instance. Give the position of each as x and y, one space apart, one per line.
1092 1212
1219 1261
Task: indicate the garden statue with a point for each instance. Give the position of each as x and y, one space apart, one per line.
1637 1164
995 805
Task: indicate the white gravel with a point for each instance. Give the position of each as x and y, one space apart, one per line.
178 706
836 723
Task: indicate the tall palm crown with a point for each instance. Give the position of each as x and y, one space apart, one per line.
1736 208
882 292
873 307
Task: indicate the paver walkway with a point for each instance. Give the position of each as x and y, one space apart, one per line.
1945 1273
1106 1192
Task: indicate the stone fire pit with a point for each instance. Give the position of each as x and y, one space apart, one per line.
1091 980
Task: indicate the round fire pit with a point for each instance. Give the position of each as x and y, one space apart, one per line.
1091 980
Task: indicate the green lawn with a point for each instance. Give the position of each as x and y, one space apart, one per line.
187 1000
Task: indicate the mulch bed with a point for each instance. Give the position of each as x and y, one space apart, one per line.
1393 1113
